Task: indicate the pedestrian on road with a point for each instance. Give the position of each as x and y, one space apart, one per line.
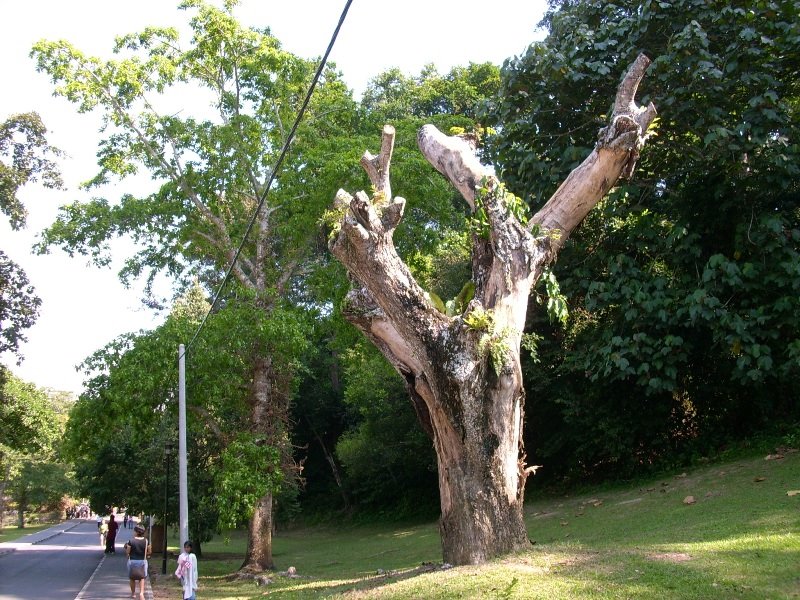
111 536
138 550
187 572
103 528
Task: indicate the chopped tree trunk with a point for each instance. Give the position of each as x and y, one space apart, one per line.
463 373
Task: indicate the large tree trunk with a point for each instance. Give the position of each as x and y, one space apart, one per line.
269 414
259 539
6 474
463 373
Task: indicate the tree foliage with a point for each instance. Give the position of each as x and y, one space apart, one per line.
388 460
32 472
25 157
121 423
19 305
212 162
683 287
28 423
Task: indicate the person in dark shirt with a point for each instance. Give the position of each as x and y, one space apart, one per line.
111 536
138 550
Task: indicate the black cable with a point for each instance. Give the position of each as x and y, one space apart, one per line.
278 163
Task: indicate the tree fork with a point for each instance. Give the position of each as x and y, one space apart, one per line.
470 400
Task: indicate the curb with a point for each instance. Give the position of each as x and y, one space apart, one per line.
54 534
48 536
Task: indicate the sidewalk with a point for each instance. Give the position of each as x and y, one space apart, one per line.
110 579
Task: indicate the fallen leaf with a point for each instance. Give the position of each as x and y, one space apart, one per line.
759 479
774 457
681 476
564 523
689 500
793 493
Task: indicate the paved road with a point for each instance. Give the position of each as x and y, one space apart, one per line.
64 562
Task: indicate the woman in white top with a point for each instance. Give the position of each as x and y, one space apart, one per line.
187 572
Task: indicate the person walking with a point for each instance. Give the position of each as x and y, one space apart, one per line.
103 529
111 536
187 572
138 550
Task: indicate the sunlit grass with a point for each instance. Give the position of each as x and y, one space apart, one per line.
739 539
11 533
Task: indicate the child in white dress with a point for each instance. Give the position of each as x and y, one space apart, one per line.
187 572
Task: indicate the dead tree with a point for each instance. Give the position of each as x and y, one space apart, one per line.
463 372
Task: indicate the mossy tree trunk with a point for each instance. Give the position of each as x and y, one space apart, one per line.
463 372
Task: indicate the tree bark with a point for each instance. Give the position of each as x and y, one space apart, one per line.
259 539
267 418
463 373
3 484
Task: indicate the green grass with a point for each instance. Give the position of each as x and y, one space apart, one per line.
741 539
11 533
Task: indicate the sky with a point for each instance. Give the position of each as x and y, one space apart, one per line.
85 307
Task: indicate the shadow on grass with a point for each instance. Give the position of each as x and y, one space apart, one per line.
305 586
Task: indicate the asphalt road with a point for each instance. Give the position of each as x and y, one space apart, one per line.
57 568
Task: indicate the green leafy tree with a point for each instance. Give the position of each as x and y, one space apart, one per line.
25 157
128 412
389 463
683 285
30 431
39 485
212 169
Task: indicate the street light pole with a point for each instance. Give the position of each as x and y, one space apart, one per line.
183 492
167 452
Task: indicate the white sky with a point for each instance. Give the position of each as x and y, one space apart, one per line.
85 307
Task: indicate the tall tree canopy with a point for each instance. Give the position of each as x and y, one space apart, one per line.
211 172
211 169
683 286
31 473
25 157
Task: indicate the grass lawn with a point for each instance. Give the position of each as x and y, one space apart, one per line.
11 533
739 539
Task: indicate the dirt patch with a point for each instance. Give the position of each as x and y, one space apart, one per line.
671 557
